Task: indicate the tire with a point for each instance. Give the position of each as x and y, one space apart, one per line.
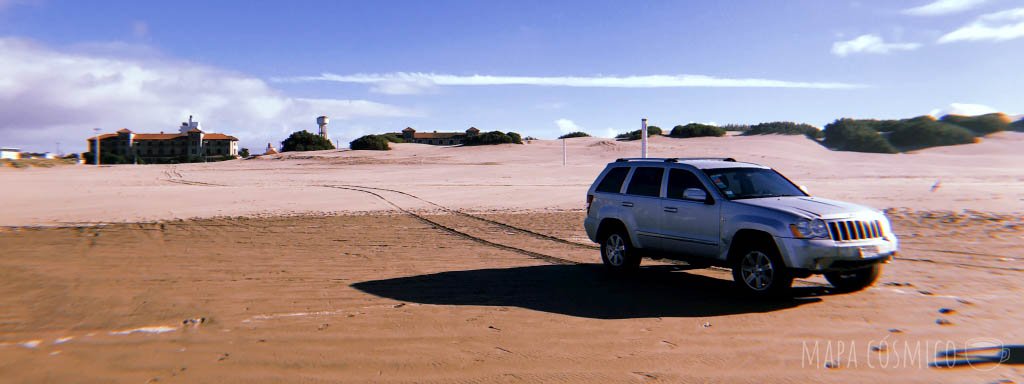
852 281
617 252
759 271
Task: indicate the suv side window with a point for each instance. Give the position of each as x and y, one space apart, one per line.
679 180
646 181
612 182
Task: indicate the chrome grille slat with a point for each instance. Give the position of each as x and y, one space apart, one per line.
852 230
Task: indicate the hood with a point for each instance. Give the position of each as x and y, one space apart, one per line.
810 207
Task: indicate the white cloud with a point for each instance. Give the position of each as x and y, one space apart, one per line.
414 82
869 44
566 126
963 109
999 26
48 95
944 7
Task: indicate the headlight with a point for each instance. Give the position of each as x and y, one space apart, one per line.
806 229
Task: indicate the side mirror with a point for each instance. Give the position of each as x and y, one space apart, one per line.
695 194
804 188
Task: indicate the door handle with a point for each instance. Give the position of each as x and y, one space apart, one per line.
671 209
627 204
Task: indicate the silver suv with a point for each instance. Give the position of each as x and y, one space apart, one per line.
743 216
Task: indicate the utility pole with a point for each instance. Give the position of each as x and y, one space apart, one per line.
563 152
643 137
96 154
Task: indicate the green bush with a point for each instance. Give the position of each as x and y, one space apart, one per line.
696 130
305 141
244 153
652 130
494 137
574 134
784 128
370 143
393 138
1018 125
922 132
980 125
855 135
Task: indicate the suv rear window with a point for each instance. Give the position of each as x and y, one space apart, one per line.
612 182
646 181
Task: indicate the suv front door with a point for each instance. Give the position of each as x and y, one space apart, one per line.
691 227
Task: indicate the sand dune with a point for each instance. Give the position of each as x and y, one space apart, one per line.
531 177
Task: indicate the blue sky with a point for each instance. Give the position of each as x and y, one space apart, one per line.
260 70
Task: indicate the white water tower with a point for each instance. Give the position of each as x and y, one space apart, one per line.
322 122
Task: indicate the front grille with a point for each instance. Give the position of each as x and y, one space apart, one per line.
851 230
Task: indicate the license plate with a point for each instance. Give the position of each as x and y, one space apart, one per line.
868 251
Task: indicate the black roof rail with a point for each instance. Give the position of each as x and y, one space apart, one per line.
628 159
678 159
671 159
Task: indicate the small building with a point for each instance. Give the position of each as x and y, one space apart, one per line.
10 153
438 138
270 150
190 142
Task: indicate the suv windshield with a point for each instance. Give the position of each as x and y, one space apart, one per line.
751 183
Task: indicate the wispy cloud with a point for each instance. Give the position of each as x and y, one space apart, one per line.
944 7
869 44
999 26
49 95
417 82
566 126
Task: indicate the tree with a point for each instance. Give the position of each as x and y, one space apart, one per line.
393 138
305 141
652 130
784 128
1018 125
244 153
370 142
980 125
696 130
919 133
574 134
494 137
855 135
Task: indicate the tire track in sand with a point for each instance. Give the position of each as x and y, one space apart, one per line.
456 232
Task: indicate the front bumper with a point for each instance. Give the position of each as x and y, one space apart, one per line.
826 255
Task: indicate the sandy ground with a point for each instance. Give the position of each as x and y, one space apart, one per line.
428 264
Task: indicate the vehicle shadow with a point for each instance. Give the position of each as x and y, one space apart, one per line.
586 290
973 357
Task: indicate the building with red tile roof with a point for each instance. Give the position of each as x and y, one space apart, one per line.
189 143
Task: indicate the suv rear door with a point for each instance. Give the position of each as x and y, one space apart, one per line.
643 202
690 227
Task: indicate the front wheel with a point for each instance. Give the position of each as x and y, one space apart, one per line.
760 271
855 280
617 252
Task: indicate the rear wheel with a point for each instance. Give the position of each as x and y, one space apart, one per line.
759 270
617 252
852 281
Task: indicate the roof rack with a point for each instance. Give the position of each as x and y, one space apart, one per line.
672 159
